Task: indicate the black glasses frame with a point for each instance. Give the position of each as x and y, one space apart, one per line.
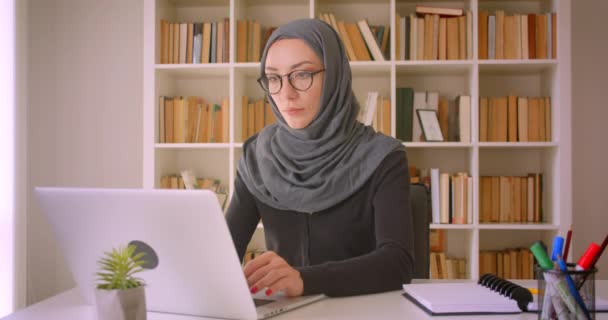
289 78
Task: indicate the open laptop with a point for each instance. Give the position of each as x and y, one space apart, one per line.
192 266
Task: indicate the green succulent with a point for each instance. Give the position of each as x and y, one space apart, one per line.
118 268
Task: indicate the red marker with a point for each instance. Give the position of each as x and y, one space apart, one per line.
594 258
587 258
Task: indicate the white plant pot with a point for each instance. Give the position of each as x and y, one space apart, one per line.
129 304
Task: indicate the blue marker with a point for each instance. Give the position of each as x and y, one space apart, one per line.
564 268
558 244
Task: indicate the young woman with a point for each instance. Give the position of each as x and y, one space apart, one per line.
333 194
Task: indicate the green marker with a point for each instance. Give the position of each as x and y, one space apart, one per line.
541 255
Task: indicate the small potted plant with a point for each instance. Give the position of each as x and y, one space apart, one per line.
120 295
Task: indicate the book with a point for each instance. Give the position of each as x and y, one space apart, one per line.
464 109
469 37
371 43
435 207
176 41
241 41
350 51
161 120
357 42
524 36
483 297
500 35
483 119
491 37
197 42
219 47
421 9
482 35
183 42
442 55
453 46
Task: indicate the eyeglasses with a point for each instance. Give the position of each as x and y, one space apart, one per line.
298 79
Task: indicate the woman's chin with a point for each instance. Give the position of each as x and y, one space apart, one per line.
297 123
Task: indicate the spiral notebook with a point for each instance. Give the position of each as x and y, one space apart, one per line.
491 295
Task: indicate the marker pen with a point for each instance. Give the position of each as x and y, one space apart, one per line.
550 297
587 258
558 244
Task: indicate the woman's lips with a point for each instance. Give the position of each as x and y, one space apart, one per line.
293 112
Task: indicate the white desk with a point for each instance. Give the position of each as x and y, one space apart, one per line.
390 305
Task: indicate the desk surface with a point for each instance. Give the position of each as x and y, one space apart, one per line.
389 305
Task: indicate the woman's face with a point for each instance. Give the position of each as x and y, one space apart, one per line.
292 56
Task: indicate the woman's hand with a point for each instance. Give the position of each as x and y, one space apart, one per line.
271 271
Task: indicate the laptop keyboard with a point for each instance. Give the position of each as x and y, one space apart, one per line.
261 302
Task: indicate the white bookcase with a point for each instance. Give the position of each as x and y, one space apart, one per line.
451 78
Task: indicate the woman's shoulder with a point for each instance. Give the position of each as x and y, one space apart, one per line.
394 165
395 158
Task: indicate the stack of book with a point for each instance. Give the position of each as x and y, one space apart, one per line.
454 116
186 180
512 119
434 33
442 267
192 120
194 42
376 112
511 199
256 114
451 194
517 36
251 38
517 263
362 41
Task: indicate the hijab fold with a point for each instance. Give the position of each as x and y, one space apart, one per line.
317 167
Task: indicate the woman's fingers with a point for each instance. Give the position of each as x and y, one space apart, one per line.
292 284
253 265
270 279
271 271
259 274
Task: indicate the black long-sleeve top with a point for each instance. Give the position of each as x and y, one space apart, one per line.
359 246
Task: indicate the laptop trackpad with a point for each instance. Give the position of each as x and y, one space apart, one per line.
261 302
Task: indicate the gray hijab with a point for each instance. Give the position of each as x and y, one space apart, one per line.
317 167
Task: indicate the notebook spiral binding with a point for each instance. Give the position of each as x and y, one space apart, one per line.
507 289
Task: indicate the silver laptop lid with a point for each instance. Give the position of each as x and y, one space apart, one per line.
198 271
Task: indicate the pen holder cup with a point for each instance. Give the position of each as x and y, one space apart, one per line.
558 300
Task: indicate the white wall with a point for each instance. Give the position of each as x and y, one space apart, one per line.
590 126
7 161
84 115
21 156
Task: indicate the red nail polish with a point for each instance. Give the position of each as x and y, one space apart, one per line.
254 290
268 292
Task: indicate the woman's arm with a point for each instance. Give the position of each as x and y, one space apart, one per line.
392 262
242 216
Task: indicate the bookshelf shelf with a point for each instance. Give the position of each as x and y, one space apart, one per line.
499 145
474 77
192 145
426 68
508 62
516 66
452 226
247 65
438 145
522 226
